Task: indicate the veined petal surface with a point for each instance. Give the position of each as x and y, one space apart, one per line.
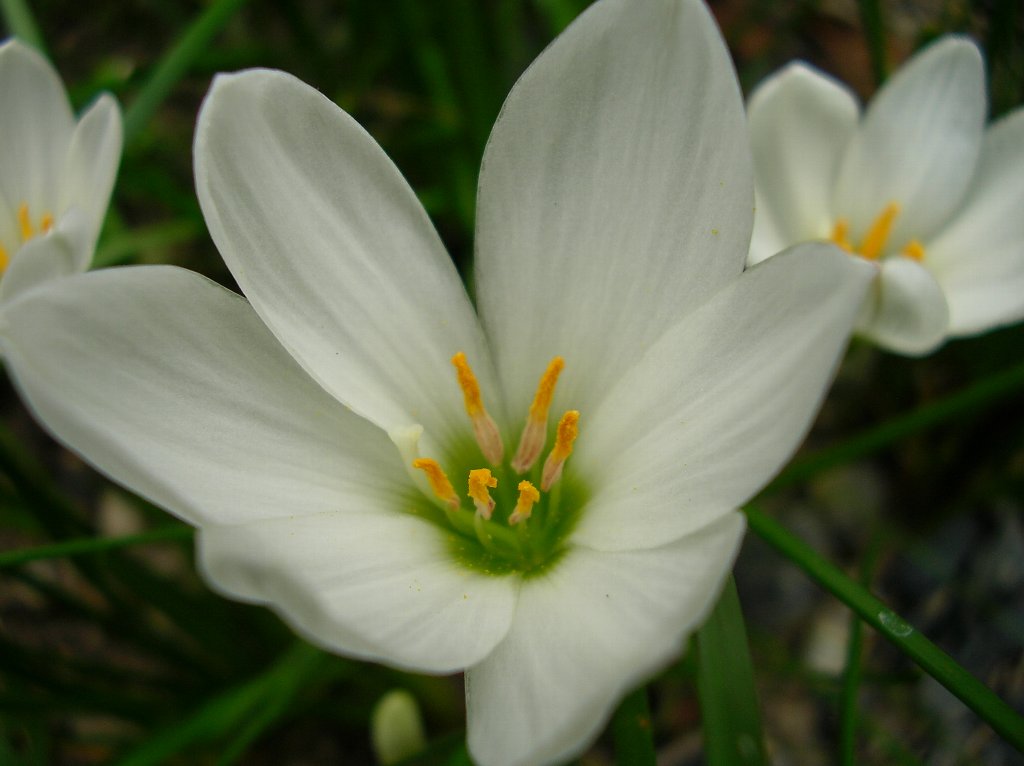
36 124
90 168
615 195
720 402
584 634
978 258
334 251
800 121
906 310
918 143
172 386
379 586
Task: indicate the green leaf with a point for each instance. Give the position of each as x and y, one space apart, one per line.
21 23
193 42
725 682
88 545
975 397
631 728
927 655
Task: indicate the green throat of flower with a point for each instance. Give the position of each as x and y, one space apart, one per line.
514 514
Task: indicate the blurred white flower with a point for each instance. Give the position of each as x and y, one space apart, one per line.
393 508
56 173
917 184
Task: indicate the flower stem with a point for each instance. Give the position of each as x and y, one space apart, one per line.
874 32
725 683
927 655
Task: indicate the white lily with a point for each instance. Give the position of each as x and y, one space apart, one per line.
56 173
321 441
916 184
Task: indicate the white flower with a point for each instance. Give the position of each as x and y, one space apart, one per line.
56 173
917 183
338 467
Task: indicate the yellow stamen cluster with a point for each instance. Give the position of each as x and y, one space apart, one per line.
27 230
873 244
482 480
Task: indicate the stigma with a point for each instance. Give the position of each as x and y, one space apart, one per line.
872 247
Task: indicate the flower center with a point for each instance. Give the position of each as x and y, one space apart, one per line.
873 244
516 513
27 229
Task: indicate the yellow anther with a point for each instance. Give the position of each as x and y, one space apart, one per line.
535 431
484 428
25 222
5 259
546 389
439 483
467 382
915 250
841 235
46 223
568 430
479 481
528 495
878 234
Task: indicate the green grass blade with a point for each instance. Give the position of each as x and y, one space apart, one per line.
175 63
631 729
974 397
21 23
233 709
725 683
927 655
874 34
86 546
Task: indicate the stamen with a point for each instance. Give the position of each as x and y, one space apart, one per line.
439 483
5 259
535 431
46 223
568 430
915 250
841 235
479 480
25 222
484 428
873 243
528 495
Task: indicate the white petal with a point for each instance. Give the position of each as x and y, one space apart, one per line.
173 387
371 585
615 195
35 127
334 251
918 143
906 311
47 257
90 168
800 121
586 633
720 402
979 258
